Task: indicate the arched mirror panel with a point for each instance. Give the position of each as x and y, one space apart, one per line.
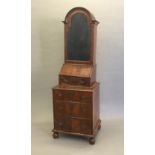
78 38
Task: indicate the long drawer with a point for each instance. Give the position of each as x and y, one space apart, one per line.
73 124
71 108
72 95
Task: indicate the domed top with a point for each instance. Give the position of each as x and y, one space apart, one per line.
80 10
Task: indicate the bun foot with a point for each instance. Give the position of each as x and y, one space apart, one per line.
55 135
92 140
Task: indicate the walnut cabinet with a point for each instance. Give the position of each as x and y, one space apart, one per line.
76 105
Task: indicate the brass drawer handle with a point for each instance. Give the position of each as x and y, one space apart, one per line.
83 97
73 79
66 80
60 94
82 81
71 93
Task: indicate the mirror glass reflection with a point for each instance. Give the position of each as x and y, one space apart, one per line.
78 43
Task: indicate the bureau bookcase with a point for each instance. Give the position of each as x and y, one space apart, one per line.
76 105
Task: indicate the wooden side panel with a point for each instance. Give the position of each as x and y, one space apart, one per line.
96 107
94 39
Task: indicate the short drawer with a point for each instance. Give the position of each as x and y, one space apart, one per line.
58 94
86 97
59 109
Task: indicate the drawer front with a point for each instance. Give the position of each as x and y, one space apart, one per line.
81 126
72 95
78 110
74 80
66 95
86 97
59 109
62 108
70 124
63 123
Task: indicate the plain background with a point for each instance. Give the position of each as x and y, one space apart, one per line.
47 59
15 66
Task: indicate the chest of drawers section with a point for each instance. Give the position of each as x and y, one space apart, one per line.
73 111
76 110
